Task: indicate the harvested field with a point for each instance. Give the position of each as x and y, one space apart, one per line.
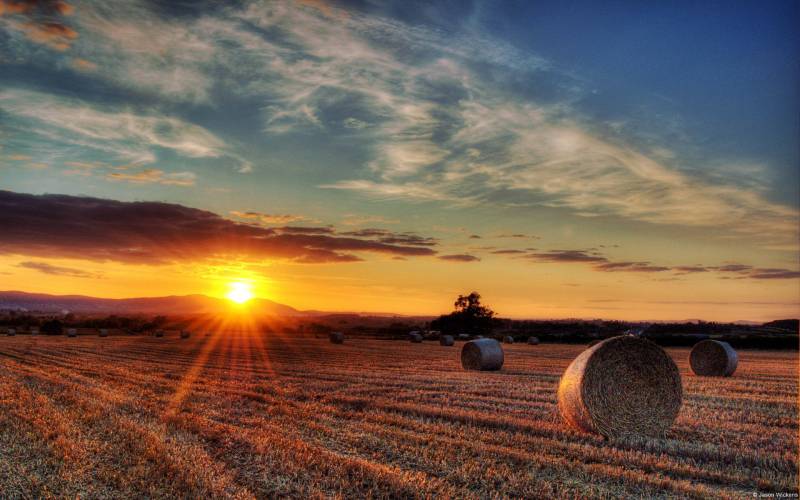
256 416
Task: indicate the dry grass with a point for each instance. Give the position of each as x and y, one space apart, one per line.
252 416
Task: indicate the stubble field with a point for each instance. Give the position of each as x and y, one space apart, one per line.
238 415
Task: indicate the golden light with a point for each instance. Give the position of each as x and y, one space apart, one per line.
240 292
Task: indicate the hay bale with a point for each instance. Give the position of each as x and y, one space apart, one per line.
159 333
508 339
72 332
11 332
533 341
336 337
104 332
34 330
482 354
415 338
713 358
463 336
185 334
622 386
446 340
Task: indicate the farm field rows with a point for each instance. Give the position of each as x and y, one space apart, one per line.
250 415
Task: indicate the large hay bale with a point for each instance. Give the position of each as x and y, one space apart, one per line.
508 339
104 332
72 332
712 358
415 338
159 333
185 334
11 332
446 340
336 337
482 354
622 386
533 341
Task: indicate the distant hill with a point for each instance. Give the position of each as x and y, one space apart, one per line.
185 304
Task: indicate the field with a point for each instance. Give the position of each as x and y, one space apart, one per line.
254 416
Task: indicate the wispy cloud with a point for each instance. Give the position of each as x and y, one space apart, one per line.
45 268
459 258
268 218
154 176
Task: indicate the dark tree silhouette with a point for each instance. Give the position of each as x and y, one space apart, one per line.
52 327
470 316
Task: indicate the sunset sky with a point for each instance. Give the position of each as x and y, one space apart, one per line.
632 161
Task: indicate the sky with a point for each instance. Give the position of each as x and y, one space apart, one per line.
628 160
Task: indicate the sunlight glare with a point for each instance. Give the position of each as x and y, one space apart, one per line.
240 292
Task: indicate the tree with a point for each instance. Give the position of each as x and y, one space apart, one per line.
469 316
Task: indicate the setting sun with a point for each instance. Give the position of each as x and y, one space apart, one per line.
240 292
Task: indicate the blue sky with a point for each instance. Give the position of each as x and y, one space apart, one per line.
658 136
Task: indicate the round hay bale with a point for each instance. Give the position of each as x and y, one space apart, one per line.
415 338
533 341
463 336
622 386
159 333
104 332
713 358
185 334
482 354
72 332
336 337
34 330
446 340
508 339
11 332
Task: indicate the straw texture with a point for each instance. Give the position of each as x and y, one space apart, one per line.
712 358
482 354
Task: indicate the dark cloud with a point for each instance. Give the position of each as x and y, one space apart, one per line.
566 256
462 257
392 238
774 274
44 267
732 268
474 237
157 233
634 267
305 230
690 269
508 252
43 21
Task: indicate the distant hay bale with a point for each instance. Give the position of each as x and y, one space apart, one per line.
712 358
11 332
159 333
104 332
34 330
533 341
336 337
508 339
621 386
463 336
185 334
482 354
446 340
72 332
415 338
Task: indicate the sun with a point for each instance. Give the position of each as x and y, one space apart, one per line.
240 292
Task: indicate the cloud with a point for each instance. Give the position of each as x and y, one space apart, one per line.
773 274
267 218
131 136
154 176
43 21
44 267
459 258
83 64
566 256
508 251
394 238
160 233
